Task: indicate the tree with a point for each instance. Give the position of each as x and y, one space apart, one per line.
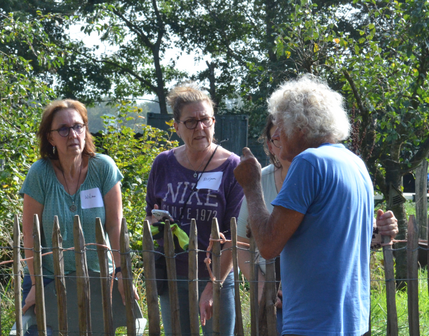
23 94
138 35
134 154
384 76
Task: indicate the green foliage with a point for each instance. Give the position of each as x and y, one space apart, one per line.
380 61
23 95
7 306
136 34
134 154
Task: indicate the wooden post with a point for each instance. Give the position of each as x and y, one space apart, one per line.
389 274
193 278
127 278
17 275
105 278
82 280
216 273
270 292
172 279
253 289
412 274
38 278
60 282
150 278
421 198
239 331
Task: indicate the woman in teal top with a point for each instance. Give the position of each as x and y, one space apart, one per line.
68 180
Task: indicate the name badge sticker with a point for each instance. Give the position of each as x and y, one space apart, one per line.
210 181
91 198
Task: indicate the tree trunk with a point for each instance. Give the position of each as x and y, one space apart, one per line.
212 80
160 92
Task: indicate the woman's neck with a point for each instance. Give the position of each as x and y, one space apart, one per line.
71 167
280 174
197 158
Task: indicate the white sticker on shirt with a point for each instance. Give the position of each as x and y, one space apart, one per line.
91 198
210 181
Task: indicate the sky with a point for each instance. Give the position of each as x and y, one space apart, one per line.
185 62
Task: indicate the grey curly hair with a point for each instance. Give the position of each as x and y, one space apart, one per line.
311 105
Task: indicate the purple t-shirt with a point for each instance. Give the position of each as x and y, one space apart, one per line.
218 195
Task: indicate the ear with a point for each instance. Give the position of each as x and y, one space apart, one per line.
176 127
49 137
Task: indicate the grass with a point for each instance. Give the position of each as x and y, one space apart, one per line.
379 310
379 306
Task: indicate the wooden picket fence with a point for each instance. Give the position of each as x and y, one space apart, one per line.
265 326
82 280
412 281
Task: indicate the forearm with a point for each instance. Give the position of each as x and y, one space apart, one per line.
225 265
114 234
28 245
31 208
258 218
226 260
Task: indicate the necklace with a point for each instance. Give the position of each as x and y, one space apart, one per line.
199 168
72 207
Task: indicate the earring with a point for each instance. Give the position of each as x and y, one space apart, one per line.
53 150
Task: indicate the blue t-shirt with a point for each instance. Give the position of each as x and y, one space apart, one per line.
325 264
42 185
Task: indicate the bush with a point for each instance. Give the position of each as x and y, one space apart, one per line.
133 153
23 94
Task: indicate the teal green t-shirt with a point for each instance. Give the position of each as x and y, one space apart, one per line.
42 184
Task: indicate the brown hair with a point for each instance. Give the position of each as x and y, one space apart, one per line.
46 149
266 137
184 94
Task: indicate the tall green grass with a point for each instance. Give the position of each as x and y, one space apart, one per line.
378 301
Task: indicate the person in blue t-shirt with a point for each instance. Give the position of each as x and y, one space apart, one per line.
322 220
272 178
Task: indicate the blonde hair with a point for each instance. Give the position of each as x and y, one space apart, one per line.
184 94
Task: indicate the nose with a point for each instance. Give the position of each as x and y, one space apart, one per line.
73 133
200 125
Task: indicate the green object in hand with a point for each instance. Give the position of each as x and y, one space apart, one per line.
157 230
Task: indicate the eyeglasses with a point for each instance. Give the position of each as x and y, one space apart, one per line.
193 123
275 142
65 131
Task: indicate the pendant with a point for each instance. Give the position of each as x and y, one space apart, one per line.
195 174
73 208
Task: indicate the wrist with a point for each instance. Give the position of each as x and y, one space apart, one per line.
118 270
